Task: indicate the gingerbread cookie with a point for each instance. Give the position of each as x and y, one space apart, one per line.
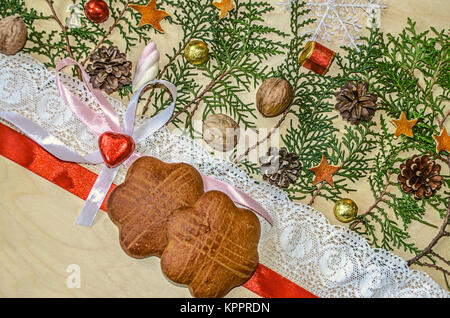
212 247
141 205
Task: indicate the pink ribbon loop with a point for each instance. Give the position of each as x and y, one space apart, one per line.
110 121
92 121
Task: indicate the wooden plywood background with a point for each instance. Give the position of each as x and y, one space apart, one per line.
38 238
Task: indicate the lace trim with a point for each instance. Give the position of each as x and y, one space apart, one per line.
327 260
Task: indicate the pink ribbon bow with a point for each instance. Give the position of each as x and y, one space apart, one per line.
110 122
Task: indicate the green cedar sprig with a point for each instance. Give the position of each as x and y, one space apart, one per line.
311 132
238 44
409 73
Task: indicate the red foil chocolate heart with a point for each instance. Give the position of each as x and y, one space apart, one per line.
115 148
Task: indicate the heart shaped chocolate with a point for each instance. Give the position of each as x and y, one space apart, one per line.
141 205
115 148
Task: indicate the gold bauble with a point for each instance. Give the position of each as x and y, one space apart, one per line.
196 52
345 210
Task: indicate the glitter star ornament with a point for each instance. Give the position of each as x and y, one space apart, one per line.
150 15
443 141
324 172
225 6
404 126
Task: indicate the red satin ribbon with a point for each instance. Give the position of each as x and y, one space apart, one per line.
269 284
79 181
320 59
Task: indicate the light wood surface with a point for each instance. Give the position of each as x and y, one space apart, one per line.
38 238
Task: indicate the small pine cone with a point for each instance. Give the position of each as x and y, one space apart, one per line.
110 70
420 176
279 167
355 104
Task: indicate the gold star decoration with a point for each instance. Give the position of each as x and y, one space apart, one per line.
224 6
150 15
443 141
324 172
404 126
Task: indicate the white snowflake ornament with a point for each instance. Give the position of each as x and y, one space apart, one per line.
338 19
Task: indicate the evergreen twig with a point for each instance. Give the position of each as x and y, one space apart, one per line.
409 72
428 249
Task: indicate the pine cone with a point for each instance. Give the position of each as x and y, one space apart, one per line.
279 167
110 70
355 104
420 176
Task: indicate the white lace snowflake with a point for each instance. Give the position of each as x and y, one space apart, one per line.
338 18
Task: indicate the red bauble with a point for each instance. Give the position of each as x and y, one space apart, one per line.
97 11
115 148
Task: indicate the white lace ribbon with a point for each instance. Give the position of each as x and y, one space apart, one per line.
109 122
327 260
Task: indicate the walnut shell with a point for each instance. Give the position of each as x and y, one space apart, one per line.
13 34
220 132
273 97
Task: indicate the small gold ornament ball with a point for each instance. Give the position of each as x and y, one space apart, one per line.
196 52
345 210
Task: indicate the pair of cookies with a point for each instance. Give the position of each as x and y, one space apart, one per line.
203 239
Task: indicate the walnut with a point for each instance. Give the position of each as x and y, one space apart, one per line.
220 132
13 34
273 97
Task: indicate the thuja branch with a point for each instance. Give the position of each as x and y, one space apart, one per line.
375 204
442 121
62 26
438 157
358 142
442 232
238 42
278 124
293 43
429 249
174 57
439 256
171 60
316 193
430 89
411 73
194 24
439 268
197 104
199 97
